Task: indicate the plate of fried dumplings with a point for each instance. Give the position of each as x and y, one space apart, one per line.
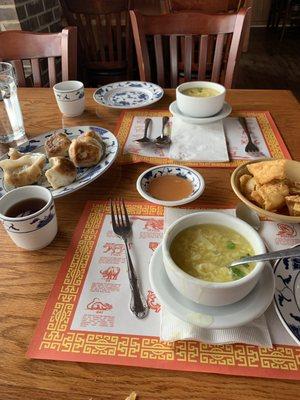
271 187
63 160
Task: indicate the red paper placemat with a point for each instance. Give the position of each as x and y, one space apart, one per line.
65 330
270 136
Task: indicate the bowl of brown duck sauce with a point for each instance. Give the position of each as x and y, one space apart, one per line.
170 185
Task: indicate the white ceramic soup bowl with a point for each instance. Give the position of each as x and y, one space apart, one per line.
204 292
200 107
36 230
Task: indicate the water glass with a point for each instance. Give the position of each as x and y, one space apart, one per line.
11 119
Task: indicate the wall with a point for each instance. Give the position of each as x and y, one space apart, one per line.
30 15
8 15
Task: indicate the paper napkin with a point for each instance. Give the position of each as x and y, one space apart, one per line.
172 329
198 142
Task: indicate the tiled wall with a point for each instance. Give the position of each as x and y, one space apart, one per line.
30 15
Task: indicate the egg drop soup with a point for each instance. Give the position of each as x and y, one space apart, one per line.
200 92
205 251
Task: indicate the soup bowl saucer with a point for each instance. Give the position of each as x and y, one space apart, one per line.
225 111
229 316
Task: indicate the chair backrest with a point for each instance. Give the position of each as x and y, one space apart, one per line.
211 6
104 31
28 49
150 7
183 44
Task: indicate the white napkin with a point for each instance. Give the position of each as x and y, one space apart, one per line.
198 142
172 329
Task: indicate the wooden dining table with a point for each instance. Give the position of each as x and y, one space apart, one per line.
26 278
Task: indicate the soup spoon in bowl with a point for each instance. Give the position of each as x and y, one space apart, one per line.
274 255
246 214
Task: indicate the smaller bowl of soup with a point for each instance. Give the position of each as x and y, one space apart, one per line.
200 99
170 185
197 249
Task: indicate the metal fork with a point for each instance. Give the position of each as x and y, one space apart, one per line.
250 147
122 228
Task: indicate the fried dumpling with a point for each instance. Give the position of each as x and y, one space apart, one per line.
62 173
92 135
267 171
86 150
57 145
14 154
293 204
24 170
295 188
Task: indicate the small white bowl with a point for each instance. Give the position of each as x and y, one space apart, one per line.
204 292
200 107
190 174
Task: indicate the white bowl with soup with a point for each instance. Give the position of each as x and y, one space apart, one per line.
197 249
200 99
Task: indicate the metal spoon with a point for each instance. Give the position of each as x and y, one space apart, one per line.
246 214
251 217
145 138
163 140
274 255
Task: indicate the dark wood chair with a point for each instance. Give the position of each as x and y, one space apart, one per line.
174 39
149 7
27 51
213 6
105 38
210 6
284 12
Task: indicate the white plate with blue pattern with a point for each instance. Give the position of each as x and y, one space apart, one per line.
128 94
287 294
84 175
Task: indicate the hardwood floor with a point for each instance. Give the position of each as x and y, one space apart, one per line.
270 65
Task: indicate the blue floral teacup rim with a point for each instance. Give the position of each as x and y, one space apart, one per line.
197 180
68 86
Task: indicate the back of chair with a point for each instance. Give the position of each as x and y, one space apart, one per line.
104 31
182 46
20 47
211 6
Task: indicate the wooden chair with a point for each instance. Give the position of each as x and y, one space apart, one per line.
210 6
213 6
105 37
27 49
149 7
177 34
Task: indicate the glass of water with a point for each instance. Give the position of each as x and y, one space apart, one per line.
11 119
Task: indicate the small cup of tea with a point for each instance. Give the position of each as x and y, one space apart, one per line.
70 97
28 216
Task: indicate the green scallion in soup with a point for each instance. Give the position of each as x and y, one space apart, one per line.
200 92
205 251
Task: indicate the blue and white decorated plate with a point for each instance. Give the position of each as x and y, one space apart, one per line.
84 175
128 94
287 294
